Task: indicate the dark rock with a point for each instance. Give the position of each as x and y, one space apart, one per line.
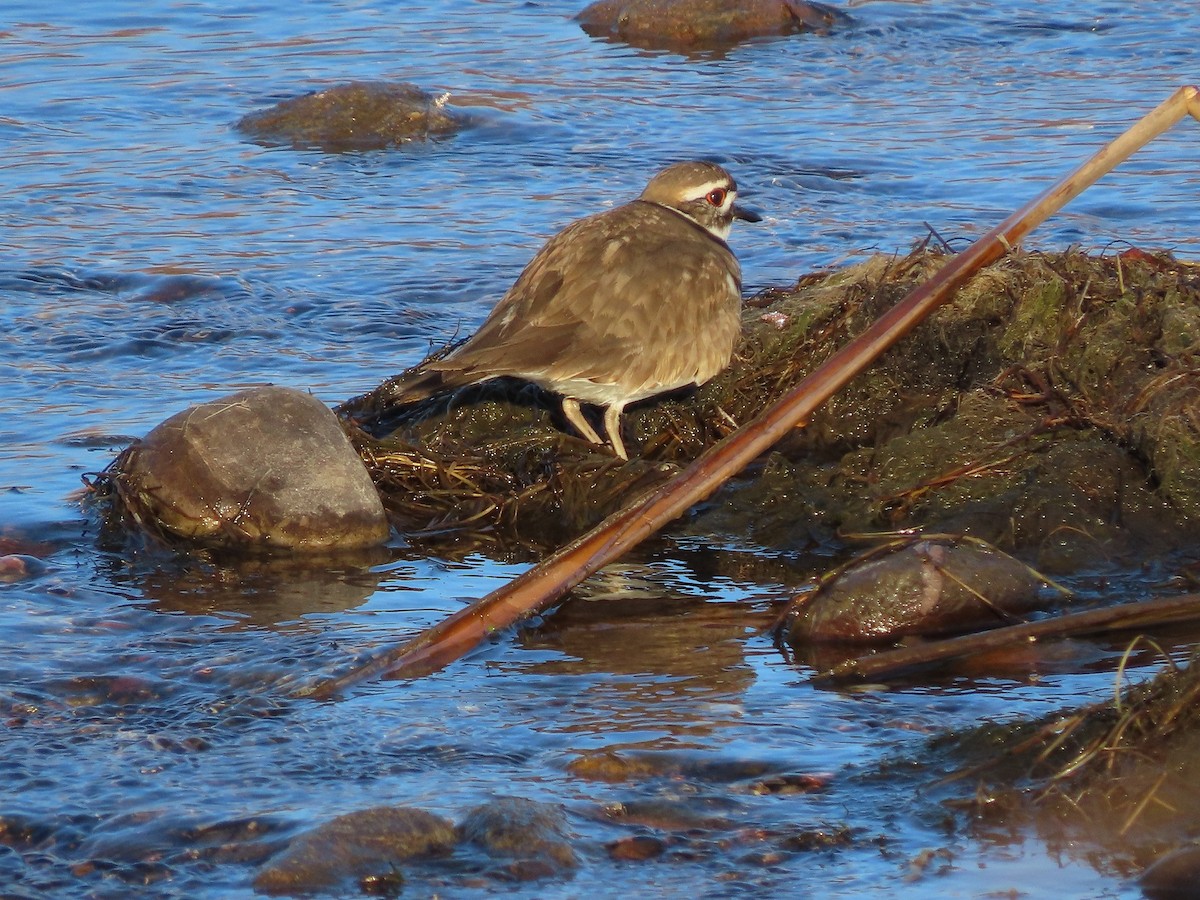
644 765
637 848
531 835
691 25
690 814
361 115
358 846
1173 877
263 468
917 587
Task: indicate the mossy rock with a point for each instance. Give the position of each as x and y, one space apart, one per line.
360 115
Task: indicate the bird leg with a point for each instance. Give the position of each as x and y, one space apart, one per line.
612 425
570 408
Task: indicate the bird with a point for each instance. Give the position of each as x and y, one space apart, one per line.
618 307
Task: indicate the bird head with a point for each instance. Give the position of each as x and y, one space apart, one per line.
701 191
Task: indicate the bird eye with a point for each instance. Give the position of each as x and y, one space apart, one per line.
717 196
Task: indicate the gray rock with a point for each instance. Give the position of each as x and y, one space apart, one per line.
264 468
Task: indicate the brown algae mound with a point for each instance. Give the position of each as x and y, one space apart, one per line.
1051 405
1121 776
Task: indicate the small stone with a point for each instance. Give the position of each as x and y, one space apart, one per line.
637 848
691 814
16 567
919 587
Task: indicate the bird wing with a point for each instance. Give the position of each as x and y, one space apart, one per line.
613 298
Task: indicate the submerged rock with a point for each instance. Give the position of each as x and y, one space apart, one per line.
263 468
530 835
361 115
667 814
917 587
16 567
644 765
356 847
1174 876
690 25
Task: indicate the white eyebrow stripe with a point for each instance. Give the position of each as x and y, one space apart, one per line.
712 186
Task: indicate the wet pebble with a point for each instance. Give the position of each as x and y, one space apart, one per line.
921 587
789 783
16 567
122 690
637 849
610 766
809 839
691 814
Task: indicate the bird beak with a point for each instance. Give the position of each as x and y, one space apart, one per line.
745 213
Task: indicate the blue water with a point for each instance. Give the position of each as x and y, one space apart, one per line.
152 258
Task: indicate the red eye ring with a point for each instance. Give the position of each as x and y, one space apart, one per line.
717 196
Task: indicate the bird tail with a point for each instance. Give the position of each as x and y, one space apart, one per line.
393 396
413 386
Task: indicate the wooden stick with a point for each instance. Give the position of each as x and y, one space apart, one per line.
1125 616
539 587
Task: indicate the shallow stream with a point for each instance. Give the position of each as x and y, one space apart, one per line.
152 258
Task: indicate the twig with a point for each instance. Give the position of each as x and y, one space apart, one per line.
891 663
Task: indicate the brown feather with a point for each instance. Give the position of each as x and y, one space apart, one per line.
617 307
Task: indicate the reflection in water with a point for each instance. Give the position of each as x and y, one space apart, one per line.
265 592
656 669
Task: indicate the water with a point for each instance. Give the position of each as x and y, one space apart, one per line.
152 258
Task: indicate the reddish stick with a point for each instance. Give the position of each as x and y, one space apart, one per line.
1139 614
541 586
